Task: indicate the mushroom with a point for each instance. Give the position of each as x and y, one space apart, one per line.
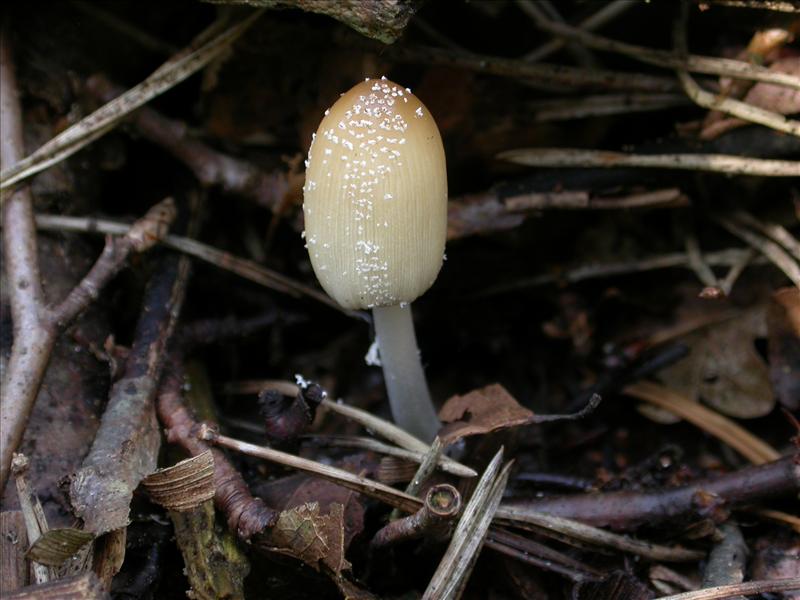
375 206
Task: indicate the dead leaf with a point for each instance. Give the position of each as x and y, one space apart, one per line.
725 369
777 98
776 557
56 546
328 494
481 411
783 325
316 539
769 96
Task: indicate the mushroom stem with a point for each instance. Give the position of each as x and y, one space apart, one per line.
409 397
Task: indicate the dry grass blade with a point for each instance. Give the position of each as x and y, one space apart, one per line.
240 266
730 106
607 13
731 257
535 74
767 247
389 431
365 443
737 108
456 565
749 588
776 5
426 468
394 434
185 485
377 425
562 109
779 516
717 163
741 440
57 546
341 477
698 64
536 521
777 232
108 116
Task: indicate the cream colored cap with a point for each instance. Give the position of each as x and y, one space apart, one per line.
375 197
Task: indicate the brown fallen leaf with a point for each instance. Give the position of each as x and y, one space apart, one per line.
328 494
783 327
777 556
748 445
724 368
316 539
769 96
481 411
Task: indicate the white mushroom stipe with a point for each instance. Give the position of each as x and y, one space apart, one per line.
376 217
402 370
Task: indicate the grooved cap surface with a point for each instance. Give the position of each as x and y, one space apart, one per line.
375 197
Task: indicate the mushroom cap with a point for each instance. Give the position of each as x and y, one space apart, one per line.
375 197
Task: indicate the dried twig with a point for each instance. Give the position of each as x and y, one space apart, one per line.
736 269
544 10
747 589
777 255
365 443
609 12
338 476
518 516
125 449
716 163
727 560
698 264
456 565
240 266
379 426
433 521
215 566
563 109
210 167
426 467
246 515
13 544
729 257
777 232
628 510
788 6
692 63
184 430
383 21
36 325
730 106
425 470
539 555
33 342
80 587
571 200
108 116
393 433
536 73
